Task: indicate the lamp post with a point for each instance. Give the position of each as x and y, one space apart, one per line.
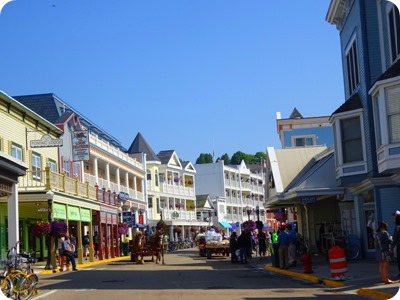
258 212
248 210
49 196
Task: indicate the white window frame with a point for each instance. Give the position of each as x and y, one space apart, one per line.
353 74
16 151
393 32
36 162
341 167
52 165
66 168
305 137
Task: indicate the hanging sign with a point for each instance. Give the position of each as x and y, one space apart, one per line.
80 145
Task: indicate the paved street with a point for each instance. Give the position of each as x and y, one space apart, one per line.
185 275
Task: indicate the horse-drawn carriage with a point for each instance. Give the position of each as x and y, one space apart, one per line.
153 245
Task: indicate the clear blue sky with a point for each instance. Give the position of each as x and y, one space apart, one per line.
195 76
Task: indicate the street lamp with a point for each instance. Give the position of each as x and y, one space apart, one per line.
248 210
258 212
49 196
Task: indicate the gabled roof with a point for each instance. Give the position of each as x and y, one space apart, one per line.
169 157
295 114
188 166
287 163
317 178
140 145
50 107
352 103
203 202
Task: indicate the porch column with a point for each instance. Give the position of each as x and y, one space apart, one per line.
96 170
118 179
108 175
13 217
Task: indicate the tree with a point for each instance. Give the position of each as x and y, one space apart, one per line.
204 158
226 159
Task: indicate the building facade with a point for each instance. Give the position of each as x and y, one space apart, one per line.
366 126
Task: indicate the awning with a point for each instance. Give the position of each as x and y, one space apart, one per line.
140 225
225 225
233 226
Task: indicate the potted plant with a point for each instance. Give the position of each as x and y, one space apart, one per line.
176 179
58 228
41 229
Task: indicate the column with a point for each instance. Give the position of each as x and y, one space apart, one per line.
127 181
13 217
118 179
96 170
108 176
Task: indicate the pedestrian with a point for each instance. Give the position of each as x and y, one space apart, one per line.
244 244
262 243
292 245
283 244
396 239
72 241
67 251
233 245
86 245
268 239
383 253
96 244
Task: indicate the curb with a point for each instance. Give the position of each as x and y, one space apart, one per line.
375 294
312 278
88 264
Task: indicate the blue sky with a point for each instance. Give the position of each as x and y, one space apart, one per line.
195 76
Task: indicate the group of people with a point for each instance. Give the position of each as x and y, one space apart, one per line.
242 246
386 246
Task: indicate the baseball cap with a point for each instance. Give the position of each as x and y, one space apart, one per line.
396 213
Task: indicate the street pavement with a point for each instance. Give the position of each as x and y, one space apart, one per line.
362 275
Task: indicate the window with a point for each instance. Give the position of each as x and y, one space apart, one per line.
76 169
394 32
150 202
353 78
36 166
66 167
393 113
350 130
52 165
16 151
304 141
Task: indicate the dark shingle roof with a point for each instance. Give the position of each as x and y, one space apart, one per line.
393 71
165 156
140 145
295 114
44 105
353 103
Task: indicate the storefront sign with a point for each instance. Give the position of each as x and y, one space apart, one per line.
80 145
59 211
46 141
73 213
86 216
127 218
308 200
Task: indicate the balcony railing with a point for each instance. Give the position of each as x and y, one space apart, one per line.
48 180
177 190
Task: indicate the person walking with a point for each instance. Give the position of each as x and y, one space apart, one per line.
262 243
283 244
396 239
292 245
233 245
96 244
86 244
383 253
244 244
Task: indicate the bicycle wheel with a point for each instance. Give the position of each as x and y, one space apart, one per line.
353 251
6 286
27 286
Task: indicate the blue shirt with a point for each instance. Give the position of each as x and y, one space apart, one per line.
283 239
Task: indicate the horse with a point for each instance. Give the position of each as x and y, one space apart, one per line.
157 247
138 247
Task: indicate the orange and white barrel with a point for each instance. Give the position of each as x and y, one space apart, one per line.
337 261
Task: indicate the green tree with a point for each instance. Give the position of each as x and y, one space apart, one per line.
226 159
204 158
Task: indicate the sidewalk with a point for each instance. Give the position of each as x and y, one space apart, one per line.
362 276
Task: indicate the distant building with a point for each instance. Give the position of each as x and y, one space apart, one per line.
297 131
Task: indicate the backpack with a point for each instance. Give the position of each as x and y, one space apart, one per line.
86 240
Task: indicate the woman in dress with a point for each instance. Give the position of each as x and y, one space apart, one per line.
383 246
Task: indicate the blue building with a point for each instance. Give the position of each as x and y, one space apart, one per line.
366 126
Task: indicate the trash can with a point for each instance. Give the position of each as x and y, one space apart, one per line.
275 255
